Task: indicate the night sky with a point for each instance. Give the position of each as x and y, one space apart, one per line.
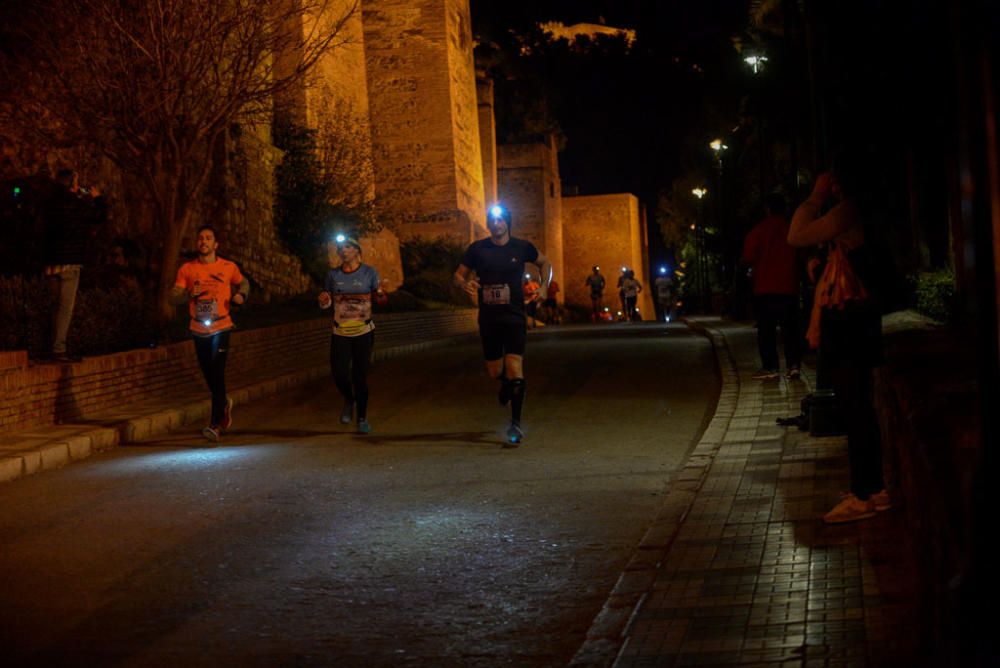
628 119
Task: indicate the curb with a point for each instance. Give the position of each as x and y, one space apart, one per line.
59 452
607 635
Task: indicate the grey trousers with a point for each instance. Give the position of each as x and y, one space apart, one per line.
67 282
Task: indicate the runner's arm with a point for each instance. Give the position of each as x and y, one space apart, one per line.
243 292
379 294
463 279
179 293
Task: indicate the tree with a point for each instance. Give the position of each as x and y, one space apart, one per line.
154 85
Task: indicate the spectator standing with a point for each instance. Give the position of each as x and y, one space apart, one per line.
846 326
774 271
71 216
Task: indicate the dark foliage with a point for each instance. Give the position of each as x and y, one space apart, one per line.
303 213
429 266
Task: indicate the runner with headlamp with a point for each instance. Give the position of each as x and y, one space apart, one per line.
207 284
498 262
350 289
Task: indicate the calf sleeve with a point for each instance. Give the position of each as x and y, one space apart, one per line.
516 399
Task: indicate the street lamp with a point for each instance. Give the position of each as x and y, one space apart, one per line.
756 62
718 147
699 241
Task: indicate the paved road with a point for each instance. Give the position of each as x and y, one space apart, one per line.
424 543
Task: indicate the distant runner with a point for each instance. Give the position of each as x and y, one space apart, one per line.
206 283
596 284
499 264
349 288
665 294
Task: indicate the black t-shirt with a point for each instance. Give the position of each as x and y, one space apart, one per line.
500 270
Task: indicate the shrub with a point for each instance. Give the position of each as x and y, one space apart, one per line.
117 315
934 294
429 266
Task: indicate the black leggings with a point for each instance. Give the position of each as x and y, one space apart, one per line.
853 386
350 357
211 351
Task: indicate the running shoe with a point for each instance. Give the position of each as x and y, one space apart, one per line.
793 374
514 435
211 433
347 414
227 417
363 426
765 374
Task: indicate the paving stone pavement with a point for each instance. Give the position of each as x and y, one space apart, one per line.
740 570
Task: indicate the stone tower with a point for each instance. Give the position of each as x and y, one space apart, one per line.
529 186
487 137
424 117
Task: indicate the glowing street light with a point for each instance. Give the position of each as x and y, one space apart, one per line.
755 62
699 192
717 146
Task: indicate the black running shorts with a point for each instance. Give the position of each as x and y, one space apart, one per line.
502 338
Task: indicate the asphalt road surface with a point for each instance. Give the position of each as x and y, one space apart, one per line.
298 543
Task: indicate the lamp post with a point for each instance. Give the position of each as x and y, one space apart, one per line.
699 241
756 63
718 147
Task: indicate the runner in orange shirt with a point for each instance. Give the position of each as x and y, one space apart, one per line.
206 283
531 288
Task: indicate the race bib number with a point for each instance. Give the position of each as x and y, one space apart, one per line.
349 308
206 310
496 294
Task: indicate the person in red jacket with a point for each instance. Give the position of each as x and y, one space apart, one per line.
774 269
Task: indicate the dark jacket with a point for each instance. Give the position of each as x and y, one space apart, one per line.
70 220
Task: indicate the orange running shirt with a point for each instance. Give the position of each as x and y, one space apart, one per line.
215 281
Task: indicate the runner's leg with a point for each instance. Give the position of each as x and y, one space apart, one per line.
361 351
220 353
340 365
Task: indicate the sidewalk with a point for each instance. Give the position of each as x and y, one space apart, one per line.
738 569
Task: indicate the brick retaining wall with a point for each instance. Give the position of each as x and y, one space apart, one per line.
32 396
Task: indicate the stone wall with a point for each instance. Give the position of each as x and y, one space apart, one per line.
244 211
487 138
424 117
605 231
529 186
